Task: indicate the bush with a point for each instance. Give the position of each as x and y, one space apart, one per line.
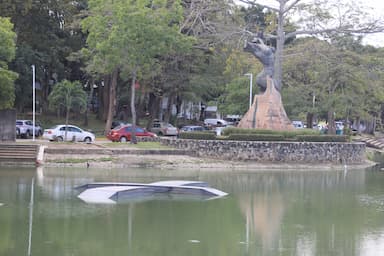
323 138
286 134
198 135
255 137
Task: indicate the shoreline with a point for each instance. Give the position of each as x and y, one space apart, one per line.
99 155
177 162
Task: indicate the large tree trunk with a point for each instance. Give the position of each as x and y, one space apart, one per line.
103 98
279 48
111 100
331 122
309 120
371 125
153 108
168 112
89 100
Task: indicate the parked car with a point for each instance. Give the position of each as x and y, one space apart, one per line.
164 129
215 122
124 133
68 133
24 128
192 128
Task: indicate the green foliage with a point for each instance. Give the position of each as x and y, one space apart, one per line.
198 135
235 98
328 78
7 53
323 138
44 39
129 34
288 134
255 137
69 96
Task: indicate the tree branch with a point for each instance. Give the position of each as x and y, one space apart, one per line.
254 2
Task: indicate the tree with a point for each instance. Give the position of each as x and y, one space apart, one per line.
68 96
322 18
127 37
7 53
44 39
331 80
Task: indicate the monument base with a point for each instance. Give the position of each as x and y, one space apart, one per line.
267 112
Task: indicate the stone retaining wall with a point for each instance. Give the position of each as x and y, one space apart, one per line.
276 152
8 125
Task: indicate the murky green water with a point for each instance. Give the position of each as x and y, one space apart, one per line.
300 213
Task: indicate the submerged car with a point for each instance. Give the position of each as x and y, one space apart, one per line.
64 132
124 133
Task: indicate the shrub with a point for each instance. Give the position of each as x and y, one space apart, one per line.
255 137
286 134
323 138
198 135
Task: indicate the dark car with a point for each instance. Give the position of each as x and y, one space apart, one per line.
124 133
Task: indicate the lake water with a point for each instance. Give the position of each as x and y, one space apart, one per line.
276 212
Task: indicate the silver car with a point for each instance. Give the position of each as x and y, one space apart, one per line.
25 128
164 129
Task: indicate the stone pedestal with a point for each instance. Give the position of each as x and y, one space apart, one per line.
267 112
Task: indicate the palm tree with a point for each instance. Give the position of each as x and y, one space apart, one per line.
68 95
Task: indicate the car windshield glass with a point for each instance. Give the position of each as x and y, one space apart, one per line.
19 122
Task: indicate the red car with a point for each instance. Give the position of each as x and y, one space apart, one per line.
123 133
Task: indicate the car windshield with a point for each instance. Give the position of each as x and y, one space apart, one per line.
19 122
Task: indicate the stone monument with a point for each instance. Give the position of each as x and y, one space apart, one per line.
267 110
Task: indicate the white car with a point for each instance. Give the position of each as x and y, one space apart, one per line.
68 133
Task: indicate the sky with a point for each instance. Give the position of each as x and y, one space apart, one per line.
376 39
377 11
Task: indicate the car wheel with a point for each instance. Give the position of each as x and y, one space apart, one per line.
87 140
59 139
123 139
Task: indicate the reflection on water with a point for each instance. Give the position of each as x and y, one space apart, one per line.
266 213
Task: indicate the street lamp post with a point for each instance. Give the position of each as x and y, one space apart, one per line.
33 101
250 88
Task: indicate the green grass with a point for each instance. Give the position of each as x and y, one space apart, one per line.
139 145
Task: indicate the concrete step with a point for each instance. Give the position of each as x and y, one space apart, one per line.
14 153
372 142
